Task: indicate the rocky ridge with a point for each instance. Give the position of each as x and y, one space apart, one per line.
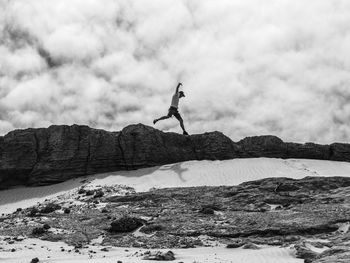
51 155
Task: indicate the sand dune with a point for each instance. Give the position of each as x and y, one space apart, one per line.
193 173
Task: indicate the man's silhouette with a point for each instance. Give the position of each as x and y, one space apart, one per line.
173 110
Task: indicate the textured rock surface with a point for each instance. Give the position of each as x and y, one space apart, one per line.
311 214
58 153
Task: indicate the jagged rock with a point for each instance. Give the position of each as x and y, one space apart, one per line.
38 231
49 208
305 253
99 193
160 256
125 224
46 226
335 254
33 211
89 192
81 191
58 153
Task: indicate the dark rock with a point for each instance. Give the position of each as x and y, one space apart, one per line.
90 192
131 198
49 208
58 153
46 226
207 211
81 191
98 193
152 228
18 238
305 253
334 251
126 224
235 245
78 245
66 211
34 260
38 231
33 211
160 256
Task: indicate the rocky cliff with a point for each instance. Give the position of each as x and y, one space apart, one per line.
58 153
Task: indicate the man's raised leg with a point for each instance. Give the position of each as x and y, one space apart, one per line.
161 118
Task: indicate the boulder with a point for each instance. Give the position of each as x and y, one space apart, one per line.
126 224
160 256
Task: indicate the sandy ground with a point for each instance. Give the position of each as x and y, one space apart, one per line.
51 252
193 173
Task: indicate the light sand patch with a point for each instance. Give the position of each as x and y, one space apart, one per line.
51 252
193 173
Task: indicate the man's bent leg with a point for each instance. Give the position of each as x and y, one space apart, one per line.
178 116
183 128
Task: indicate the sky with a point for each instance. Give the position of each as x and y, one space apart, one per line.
248 68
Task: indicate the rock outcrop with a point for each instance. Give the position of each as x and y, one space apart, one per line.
58 153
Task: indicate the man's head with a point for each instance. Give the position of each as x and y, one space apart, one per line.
181 94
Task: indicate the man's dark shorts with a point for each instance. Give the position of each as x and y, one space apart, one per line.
174 112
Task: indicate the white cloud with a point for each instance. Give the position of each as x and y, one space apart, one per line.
248 67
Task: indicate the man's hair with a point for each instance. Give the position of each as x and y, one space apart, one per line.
182 93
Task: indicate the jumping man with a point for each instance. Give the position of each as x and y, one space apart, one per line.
173 109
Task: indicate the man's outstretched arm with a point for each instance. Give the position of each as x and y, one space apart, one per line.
178 86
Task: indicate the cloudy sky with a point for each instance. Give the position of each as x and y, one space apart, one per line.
248 67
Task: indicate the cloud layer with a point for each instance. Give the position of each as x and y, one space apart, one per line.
248 67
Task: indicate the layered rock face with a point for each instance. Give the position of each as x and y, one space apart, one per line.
58 153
